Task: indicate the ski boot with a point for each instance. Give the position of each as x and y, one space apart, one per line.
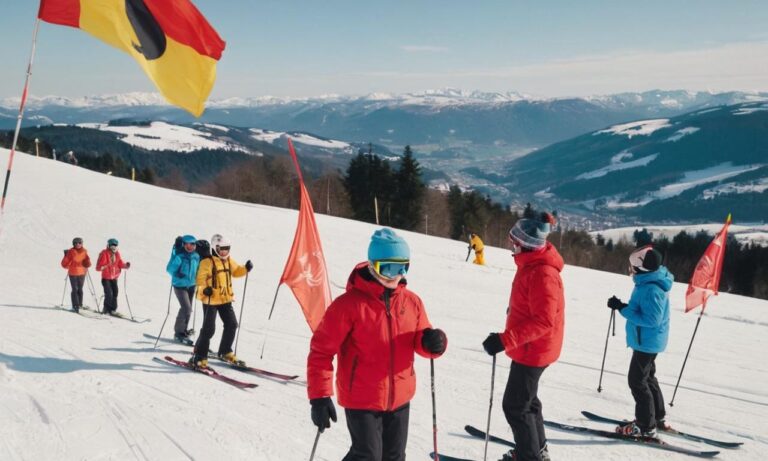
183 339
631 429
511 455
198 362
663 425
76 309
231 359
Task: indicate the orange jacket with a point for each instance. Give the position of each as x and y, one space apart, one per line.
375 333
76 261
533 335
110 264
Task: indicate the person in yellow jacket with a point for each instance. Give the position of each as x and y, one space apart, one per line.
214 289
476 244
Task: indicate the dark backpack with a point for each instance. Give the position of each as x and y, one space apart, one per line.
178 246
203 249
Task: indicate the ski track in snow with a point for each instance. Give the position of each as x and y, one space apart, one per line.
77 388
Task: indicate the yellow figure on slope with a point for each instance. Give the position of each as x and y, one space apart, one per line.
476 244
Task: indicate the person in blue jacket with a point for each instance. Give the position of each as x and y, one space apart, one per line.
647 330
183 269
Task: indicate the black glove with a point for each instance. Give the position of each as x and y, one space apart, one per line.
323 412
127 265
208 291
616 303
65 252
434 341
248 265
493 344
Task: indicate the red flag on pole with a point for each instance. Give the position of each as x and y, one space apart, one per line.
305 271
706 277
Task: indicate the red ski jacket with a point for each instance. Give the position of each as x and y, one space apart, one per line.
533 335
375 332
110 264
76 261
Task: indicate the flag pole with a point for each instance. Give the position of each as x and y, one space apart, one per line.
672 402
272 309
20 116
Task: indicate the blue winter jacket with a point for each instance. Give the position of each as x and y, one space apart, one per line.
183 268
647 313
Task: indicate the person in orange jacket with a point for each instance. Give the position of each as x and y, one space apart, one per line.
374 329
76 261
533 335
110 264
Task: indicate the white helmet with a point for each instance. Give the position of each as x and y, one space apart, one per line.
219 241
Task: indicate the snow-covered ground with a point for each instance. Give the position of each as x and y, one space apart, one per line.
165 136
72 388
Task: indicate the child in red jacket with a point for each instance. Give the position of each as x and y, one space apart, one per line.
533 336
374 328
110 264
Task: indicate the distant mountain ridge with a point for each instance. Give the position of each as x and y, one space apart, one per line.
697 166
436 119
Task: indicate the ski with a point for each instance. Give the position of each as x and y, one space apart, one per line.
83 312
134 320
645 441
443 457
207 371
670 431
475 432
168 340
241 366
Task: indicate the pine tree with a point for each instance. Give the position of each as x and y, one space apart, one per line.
368 176
409 192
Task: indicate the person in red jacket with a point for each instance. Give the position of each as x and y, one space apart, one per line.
533 335
374 328
76 261
110 263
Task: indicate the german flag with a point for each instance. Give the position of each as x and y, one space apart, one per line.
170 39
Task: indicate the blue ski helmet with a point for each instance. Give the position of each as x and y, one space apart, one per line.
111 242
189 239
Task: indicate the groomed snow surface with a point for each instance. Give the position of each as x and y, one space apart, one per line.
74 388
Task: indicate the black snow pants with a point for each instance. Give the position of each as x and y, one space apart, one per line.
229 319
378 435
522 408
649 403
110 295
77 282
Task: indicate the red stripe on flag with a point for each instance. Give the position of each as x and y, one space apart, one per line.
181 21
64 12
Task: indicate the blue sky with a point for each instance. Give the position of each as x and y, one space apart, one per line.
300 49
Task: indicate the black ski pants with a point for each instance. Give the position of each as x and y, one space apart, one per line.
378 435
185 297
77 282
649 403
229 319
110 295
522 408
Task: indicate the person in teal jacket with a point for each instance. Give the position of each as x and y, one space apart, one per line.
647 330
183 269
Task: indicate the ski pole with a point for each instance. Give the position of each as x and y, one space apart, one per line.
92 288
63 293
434 413
613 319
194 312
490 405
314 446
605 351
167 313
672 402
237 335
125 292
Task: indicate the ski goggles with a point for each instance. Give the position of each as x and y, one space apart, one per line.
391 268
226 248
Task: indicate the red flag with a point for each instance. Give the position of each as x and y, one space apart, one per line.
706 276
305 271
